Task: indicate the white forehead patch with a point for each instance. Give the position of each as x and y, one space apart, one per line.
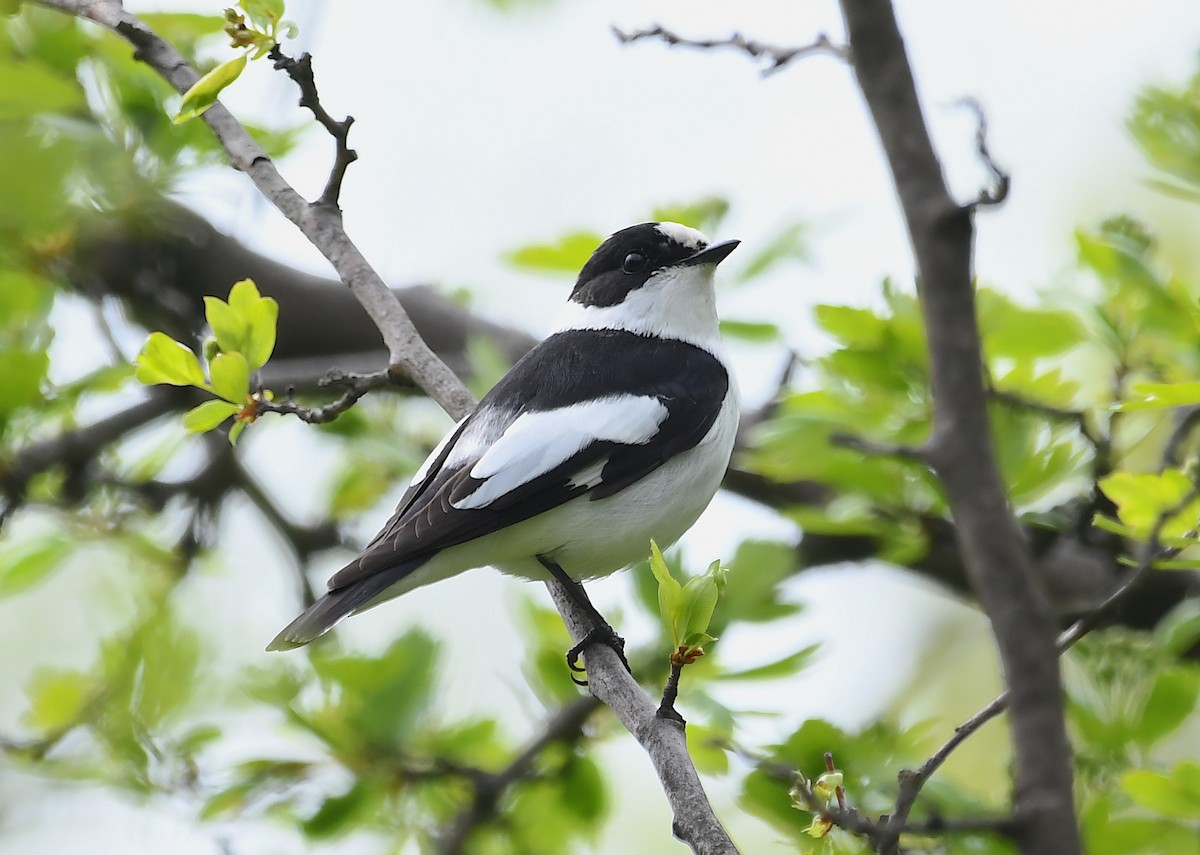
683 235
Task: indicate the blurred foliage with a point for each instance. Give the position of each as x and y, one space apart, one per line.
1090 385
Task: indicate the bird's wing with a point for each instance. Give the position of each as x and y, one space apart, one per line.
499 468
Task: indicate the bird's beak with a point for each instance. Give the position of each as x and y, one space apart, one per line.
714 254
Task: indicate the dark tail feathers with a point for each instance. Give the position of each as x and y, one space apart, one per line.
326 612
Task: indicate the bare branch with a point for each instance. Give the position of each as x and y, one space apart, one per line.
357 385
300 70
960 449
321 224
998 192
779 56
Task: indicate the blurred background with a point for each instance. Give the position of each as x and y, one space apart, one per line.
143 570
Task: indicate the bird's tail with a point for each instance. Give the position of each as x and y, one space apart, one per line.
327 612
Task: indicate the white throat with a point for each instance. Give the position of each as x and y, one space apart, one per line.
676 303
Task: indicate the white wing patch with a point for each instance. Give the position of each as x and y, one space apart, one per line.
536 443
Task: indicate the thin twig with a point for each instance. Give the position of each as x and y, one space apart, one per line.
300 70
998 192
666 707
357 385
879 449
565 726
911 782
778 56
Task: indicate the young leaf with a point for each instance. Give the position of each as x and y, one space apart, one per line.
1141 498
208 416
230 377
670 594
566 255
261 315
264 14
204 92
24 567
699 602
230 329
164 360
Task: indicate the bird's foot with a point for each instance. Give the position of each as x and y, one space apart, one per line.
603 634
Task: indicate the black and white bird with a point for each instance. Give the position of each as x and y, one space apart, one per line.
614 430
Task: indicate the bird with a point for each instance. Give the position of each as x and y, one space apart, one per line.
614 430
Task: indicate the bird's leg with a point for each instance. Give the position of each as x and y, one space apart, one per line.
600 633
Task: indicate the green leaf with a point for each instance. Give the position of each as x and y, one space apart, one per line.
758 331
706 745
260 315
1179 631
56 698
1014 331
207 89
230 377
335 814
22 372
246 324
27 88
1142 498
1176 795
25 566
784 667
567 255
853 327
236 431
164 360
264 14
1171 700
1153 396
208 416
670 595
699 601
583 792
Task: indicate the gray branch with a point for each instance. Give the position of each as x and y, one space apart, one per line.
960 450
321 224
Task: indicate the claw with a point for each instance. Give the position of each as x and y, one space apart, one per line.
599 635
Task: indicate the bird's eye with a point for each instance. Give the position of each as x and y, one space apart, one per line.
635 262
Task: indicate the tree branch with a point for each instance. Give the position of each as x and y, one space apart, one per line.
960 448
321 224
779 56
300 70
566 725
662 738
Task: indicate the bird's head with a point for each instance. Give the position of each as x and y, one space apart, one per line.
653 279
